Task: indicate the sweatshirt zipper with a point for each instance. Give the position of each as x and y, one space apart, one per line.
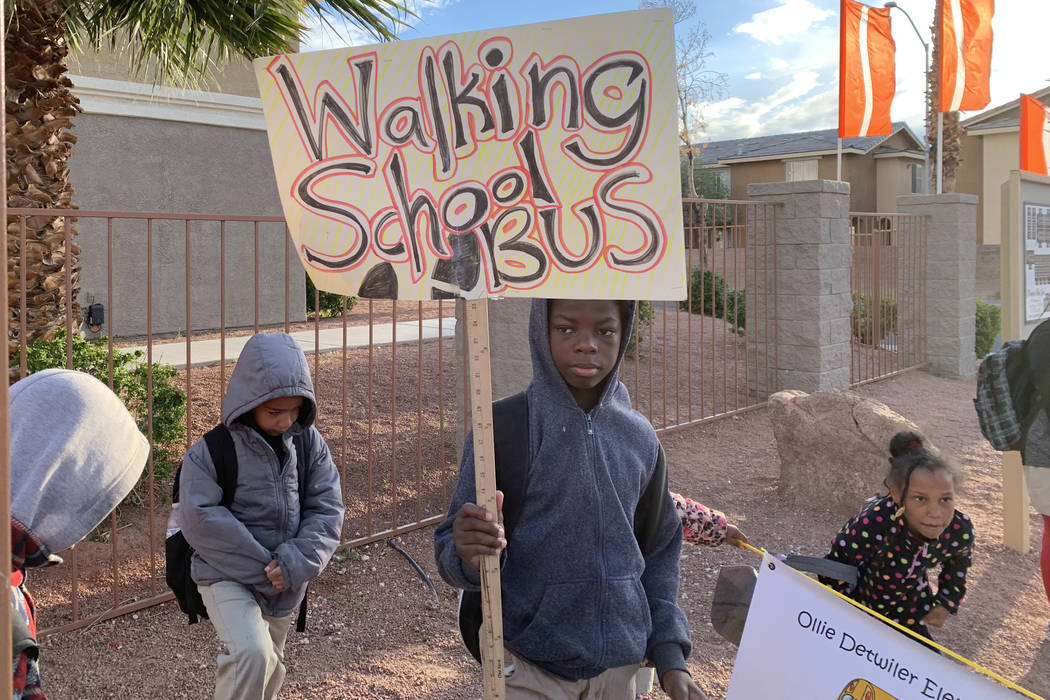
601 534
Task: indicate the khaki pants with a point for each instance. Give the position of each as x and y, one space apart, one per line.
252 667
528 682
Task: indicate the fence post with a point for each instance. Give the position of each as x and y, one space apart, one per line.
951 278
811 301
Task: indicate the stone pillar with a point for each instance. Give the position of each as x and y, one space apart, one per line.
951 271
806 344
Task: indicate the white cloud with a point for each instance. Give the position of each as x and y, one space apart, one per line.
321 36
753 76
778 63
791 19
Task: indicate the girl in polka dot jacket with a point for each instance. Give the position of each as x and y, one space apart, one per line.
894 540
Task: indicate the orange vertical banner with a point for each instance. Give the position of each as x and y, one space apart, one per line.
1035 135
966 54
867 73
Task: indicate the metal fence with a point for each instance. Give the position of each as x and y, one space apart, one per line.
712 354
384 371
888 289
384 402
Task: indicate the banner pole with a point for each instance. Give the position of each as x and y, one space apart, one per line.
940 149
838 162
480 391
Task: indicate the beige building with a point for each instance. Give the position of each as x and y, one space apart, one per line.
152 148
878 168
990 149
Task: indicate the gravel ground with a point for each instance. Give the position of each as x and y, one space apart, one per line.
377 631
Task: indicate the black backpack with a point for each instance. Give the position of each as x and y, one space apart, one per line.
509 416
177 551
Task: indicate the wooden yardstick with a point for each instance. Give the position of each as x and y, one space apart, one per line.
491 634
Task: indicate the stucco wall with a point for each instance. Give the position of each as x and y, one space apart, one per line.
859 172
132 164
999 157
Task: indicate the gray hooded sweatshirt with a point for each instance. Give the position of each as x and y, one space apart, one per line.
264 522
578 596
75 454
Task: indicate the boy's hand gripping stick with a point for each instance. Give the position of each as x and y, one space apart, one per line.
491 635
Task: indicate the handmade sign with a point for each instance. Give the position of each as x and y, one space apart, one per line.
801 641
538 160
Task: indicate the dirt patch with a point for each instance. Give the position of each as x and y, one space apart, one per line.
377 632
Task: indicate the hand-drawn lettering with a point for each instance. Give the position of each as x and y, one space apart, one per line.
402 123
635 116
496 53
464 207
561 72
409 210
391 253
312 123
508 186
428 83
530 157
496 172
517 222
551 226
303 192
460 98
647 255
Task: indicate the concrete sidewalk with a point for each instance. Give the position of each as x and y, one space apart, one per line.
207 352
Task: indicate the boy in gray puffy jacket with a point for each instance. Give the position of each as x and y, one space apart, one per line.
252 561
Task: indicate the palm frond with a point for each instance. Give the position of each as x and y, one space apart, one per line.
180 41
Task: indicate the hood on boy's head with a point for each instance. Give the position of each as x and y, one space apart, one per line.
75 454
543 368
270 366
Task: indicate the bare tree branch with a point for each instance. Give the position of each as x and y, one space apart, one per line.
696 82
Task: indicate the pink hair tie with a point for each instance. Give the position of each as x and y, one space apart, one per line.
914 445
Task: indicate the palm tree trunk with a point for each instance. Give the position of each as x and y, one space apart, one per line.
39 109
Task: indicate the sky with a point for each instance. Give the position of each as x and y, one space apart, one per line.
780 56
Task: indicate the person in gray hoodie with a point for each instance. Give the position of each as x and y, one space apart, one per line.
253 560
75 454
582 605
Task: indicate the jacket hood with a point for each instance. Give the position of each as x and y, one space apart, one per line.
75 454
270 366
546 375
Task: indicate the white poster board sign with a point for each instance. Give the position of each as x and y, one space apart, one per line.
1036 262
801 641
539 160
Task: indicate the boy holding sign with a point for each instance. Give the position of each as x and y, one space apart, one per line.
590 573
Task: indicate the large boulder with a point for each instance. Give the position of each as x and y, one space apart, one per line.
833 447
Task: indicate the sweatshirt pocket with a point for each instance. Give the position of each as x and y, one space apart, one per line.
627 621
564 627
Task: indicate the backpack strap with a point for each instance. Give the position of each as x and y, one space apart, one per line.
510 422
224 457
303 442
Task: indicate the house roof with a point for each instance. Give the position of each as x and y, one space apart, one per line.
1005 116
796 144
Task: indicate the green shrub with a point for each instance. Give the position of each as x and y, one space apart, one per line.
988 323
329 303
643 319
861 318
129 383
710 295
